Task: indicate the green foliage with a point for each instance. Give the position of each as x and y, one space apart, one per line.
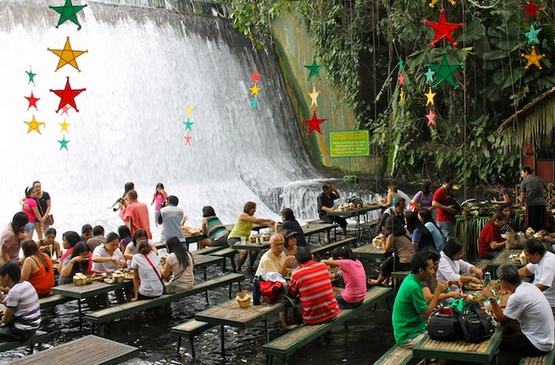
361 42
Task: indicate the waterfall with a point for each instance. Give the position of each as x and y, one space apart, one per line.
143 68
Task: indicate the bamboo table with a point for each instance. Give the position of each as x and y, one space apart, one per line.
503 258
369 251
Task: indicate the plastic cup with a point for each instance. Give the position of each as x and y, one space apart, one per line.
243 240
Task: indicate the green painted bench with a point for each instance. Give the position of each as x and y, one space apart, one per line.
52 300
330 246
292 341
227 252
208 250
101 317
539 360
190 329
367 227
395 356
38 337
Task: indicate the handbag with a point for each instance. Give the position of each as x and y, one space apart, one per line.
456 206
49 219
169 286
444 325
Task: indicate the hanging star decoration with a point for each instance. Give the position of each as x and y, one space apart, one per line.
434 2
431 116
443 29
32 101
65 110
314 69
34 125
533 58
531 9
64 142
314 97
188 124
254 89
255 77
401 79
429 76
401 65
188 110
254 103
68 56
314 123
67 96
532 35
430 97
402 95
445 71
31 76
188 138
68 12
64 126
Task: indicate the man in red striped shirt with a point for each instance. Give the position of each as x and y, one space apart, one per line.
311 282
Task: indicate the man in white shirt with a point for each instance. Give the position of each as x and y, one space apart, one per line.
530 331
275 260
541 264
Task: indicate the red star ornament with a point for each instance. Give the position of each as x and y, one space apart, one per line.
188 138
443 29
32 101
531 9
431 116
255 77
67 96
314 123
401 79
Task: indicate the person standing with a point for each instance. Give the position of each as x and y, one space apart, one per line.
541 264
311 282
44 206
135 214
532 193
159 197
325 204
444 202
530 319
172 218
30 207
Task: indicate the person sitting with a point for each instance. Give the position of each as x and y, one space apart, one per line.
79 261
429 287
399 243
124 234
391 198
69 240
490 242
290 223
21 318
132 247
541 264
86 232
49 245
421 237
290 246
507 211
179 265
354 277
425 216
242 228
325 204
451 264
37 268
97 238
108 257
172 218
530 320
311 282
11 237
214 230
147 277
398 211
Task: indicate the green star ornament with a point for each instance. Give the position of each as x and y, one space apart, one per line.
188 124
68 12
445 71
429 76
64 142
31 76
314 69
532 35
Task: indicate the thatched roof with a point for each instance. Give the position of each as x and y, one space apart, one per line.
535 121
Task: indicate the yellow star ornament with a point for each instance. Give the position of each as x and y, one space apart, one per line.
34 125
402 95
314 96
67 56
64 126
189 110
533 58
254 90
430 95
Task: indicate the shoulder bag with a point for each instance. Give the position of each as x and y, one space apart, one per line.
169 286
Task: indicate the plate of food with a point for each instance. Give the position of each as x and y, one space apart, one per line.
470 285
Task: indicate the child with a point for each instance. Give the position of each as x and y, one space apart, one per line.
159 197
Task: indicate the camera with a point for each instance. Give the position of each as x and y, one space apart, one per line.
120 201
164 204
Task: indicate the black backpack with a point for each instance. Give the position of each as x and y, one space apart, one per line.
444 327
476 326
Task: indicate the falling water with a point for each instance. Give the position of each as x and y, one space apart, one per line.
143 68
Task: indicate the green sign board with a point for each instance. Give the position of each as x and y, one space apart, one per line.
349 144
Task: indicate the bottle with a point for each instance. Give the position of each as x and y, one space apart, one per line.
454 287
256 295
487 278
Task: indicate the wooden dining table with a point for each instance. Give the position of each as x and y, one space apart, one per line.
369 251
230 314
504 257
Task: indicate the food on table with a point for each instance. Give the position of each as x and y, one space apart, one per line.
473 286
118 276
80 279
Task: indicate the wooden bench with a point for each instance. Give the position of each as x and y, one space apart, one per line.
38 337
539 360
190 329
482 264
101 317
292 341
395 356
208 250
227 252
83 351
369 227
330 246
52 300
